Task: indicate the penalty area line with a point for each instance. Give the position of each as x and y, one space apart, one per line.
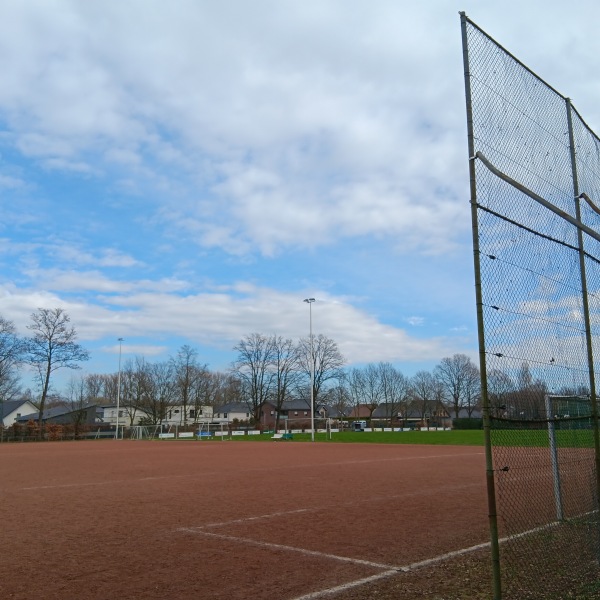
387 570
271 545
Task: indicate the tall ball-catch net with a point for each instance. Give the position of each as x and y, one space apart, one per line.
535 188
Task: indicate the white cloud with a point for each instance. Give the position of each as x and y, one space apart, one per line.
141 140
222 319
60 280
10 182
136 349
276 114
415 321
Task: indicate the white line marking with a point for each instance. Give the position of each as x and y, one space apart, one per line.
423 563
67 485
347 586
388 570
252 470
95 483
251 542
391 572
283 513
323 507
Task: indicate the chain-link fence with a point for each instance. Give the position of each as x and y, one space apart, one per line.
535 174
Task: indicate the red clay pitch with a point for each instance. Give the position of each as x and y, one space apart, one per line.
228 520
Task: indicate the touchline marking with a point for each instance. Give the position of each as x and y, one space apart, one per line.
390 573
424 563
347 586
323 507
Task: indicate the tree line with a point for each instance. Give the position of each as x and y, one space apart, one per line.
266 368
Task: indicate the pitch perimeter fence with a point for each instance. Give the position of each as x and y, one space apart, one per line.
535 189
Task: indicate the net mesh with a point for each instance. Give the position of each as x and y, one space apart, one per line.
538 276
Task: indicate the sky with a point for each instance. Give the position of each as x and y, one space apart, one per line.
189 172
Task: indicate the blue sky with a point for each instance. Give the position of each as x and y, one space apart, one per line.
189 172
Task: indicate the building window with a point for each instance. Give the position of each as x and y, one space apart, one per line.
295 413
305 413
192 413
224 415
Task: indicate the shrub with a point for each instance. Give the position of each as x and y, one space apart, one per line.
54 431
467 423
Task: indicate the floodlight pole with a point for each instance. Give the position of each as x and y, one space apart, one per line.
312 372
118 389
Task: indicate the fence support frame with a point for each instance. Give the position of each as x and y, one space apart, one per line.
489 462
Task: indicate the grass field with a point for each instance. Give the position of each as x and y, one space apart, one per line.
429 438
501 438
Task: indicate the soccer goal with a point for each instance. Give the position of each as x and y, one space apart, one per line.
145 432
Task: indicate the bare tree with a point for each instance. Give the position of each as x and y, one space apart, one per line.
285 371
472 390
160 391
76 393
423 388
94 387
253 367
339 399
221 389
500 388
11 354
229 389
529 396
202 390
367 387
52 347
327 364
355 385
457 376
395 390
135 382
439 396
186 370
111 383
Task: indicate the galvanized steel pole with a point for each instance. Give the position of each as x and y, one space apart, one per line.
312 372
118 390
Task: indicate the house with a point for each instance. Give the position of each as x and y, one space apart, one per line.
174 415
396 415
12 410
359 411
65 415
295 413
234 411
178 414
465 413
